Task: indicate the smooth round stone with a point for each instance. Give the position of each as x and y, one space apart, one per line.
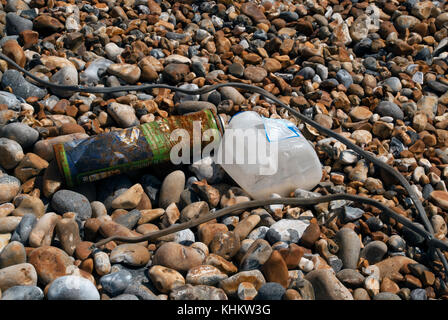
101 263
255 74
386 296
307 73
23 293
172 187
344 77
23 230
286 230
165 279
374 224
350 278
15 24
270 291
396 243
230 285
69 201
9 188
361 294
123 114
327 286
12 153
322 71
200 292
236 69
116 283
20 87
112 50
131 254
193 106
72 288
387 108
374 251
205 274
50 263
419 294
393 83
349 247
22 274
14 253
194 211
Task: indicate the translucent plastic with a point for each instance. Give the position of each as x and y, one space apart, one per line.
289 161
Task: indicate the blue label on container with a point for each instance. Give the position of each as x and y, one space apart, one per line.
279 129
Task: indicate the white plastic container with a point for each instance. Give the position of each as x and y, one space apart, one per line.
282 159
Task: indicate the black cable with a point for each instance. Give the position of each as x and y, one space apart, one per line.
413 195
286 201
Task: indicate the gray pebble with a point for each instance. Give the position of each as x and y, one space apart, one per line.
116 283
69 201
10 100
419 294
23 293
344 77
20 87
130 219
16 24
350 278
11 153
349 247
21 133
387 108
374 251
386 296
24 228
72 288
270 291
352 214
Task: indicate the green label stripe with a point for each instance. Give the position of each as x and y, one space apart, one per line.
211 120
65 166
159 142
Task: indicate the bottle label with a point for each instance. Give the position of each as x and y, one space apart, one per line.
115 152
279 129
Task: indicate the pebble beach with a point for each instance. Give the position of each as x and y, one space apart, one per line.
374 71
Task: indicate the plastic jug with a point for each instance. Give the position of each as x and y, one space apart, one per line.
265 156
